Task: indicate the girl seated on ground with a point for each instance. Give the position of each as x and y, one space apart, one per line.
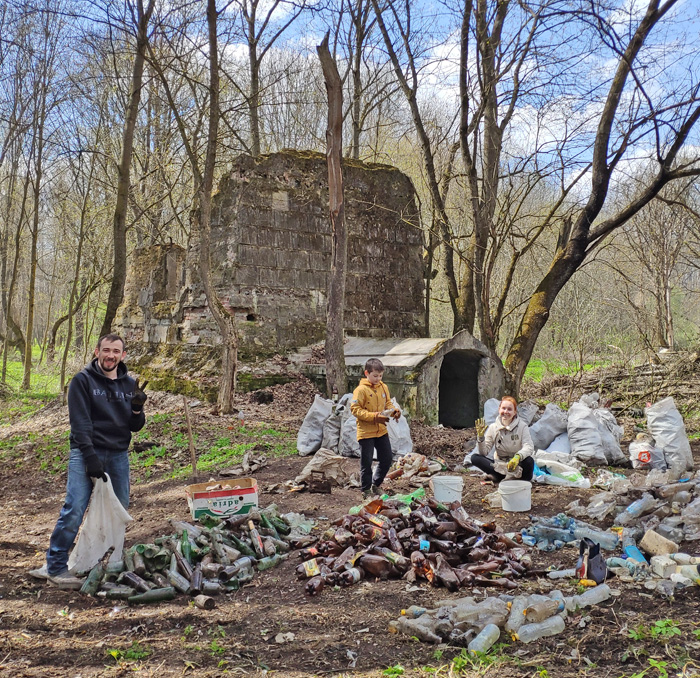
510 436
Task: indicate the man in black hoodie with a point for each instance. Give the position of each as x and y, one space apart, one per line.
105 405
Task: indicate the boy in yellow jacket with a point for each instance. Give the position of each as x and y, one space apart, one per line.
371 404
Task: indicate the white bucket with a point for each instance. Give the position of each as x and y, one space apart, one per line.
447 489
515 494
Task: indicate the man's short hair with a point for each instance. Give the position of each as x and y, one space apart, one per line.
110 337
374 365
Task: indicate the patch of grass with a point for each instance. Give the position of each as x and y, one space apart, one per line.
133 653
539 369
662 631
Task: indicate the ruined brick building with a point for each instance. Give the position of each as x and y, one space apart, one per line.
270 264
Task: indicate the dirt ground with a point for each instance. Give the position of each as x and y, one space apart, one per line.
50 633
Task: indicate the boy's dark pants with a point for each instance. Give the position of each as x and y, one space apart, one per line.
384 457
486 465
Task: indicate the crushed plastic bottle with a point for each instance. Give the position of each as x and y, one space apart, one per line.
607 540
548 627
636 509
538 612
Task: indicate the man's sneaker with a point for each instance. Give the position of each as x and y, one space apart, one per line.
366 494
375 490
40 573
65 580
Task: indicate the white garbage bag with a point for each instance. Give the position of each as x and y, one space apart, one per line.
610 435
548 426
104 526
399 434
491 410
560 444
349 444
310 434
665 424
527 411
644 454
585 437
332 425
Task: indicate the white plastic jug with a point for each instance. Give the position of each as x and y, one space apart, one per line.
515 495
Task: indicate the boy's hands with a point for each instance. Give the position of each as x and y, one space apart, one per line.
396 415
480 425
381 419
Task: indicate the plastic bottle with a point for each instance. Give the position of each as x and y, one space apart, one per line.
685 559
551 533
593 596
488 636
548 627
314 586
562 574
413 611
636 509
607 540
538 612
351 576
516 618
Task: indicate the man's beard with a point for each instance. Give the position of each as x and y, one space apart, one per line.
108 364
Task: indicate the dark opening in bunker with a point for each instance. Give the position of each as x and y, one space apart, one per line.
459 394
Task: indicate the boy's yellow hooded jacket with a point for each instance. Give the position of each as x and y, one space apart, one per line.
367 402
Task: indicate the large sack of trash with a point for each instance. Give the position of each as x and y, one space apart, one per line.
665 424
334 427
591 441
310 435
551 424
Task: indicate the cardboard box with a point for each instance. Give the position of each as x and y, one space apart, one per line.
222 499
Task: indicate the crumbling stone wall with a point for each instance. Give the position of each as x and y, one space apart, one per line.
272 255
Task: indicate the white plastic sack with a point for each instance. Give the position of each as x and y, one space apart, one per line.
310 434
332 425
399 434
349 444
585 437
560 444
104 526
645 455
590 400
665 424
548 426
491 410
610 435
544 456
559 473
527 411
562 474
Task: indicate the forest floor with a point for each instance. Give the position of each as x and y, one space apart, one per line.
50 633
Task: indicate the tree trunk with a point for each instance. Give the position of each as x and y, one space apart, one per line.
116 291
336 381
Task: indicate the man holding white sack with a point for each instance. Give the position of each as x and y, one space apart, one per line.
105 405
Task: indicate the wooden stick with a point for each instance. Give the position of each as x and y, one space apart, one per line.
193 454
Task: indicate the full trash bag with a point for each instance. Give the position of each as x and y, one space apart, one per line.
548 426
665 424
399 434
104 526
610 436
310 434
334 423
585 436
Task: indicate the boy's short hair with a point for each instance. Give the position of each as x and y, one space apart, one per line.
374 365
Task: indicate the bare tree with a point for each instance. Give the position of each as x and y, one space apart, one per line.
336 381
140 17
